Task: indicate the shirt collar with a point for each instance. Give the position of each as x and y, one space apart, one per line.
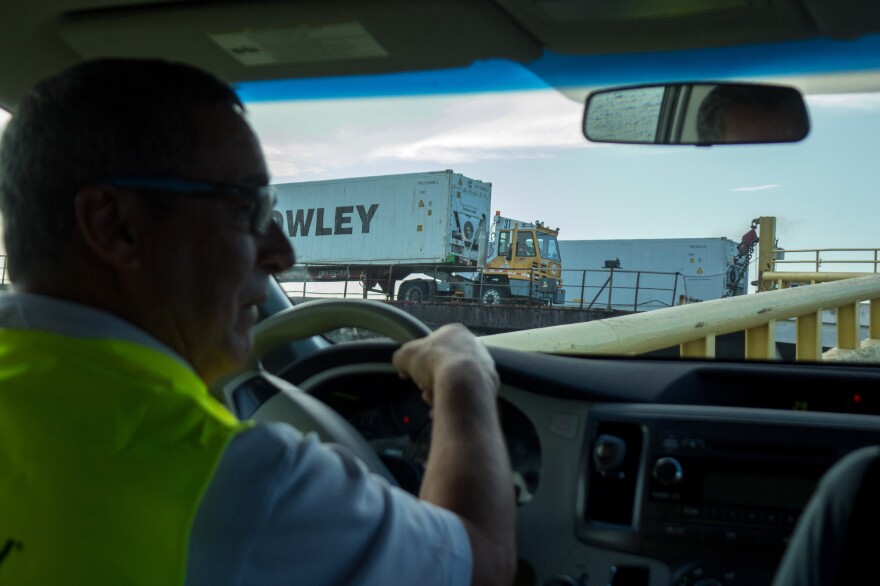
40 312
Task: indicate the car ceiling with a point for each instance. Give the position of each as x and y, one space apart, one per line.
315 38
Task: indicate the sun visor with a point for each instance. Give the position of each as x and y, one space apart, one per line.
260 40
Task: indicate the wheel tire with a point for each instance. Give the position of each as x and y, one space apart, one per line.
413 291
493 295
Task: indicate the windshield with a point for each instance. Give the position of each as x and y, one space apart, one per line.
4 278
667 220
529 146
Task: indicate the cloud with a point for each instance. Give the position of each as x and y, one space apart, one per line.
319 137
758 187
862 102
493 128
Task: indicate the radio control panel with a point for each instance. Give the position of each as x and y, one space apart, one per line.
675 487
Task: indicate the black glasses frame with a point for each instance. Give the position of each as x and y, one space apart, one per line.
263 197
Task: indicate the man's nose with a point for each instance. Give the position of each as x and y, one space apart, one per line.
276 252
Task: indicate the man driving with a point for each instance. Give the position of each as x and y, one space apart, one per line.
137 219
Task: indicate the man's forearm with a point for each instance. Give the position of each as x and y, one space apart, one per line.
468 469
468 472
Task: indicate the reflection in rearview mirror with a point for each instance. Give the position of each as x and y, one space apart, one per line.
697 114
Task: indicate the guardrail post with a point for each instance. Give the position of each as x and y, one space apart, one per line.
636 301
674 290
808 336
761 342
848 327
874 316
702 348
765 249
583 287
610 287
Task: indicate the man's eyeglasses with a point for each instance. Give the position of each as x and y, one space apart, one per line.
262 197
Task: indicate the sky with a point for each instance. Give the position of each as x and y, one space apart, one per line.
528 144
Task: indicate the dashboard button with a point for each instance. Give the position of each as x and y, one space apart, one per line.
691 512
756 517
675 530
564 424
694 444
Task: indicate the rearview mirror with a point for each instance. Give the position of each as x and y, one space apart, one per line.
700 114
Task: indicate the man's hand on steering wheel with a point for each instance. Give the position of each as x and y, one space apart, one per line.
450 353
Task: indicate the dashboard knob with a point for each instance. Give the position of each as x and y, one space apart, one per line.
608 453
668 471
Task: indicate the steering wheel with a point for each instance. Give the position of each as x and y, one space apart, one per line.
281 401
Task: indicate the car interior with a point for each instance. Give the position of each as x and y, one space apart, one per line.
628 470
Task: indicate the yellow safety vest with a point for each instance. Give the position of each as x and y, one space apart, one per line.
106 448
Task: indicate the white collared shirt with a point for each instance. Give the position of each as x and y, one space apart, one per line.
283 508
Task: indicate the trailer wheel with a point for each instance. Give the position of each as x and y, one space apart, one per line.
493 295
413 291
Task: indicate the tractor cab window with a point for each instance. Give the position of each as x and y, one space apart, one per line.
504 243
525 244
549 247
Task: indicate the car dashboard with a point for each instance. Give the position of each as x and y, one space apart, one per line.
632 471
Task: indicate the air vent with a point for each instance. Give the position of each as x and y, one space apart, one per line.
613 473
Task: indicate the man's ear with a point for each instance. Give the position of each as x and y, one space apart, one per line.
109 220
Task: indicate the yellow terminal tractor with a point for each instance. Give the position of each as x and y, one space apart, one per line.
523 262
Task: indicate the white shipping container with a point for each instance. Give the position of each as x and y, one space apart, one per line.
413 218
694 269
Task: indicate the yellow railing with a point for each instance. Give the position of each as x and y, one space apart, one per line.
693 328
814 259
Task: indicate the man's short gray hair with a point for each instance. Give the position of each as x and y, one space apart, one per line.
97 119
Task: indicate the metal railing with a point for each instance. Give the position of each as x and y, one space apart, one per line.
585 289
694 328
622 290
863 260
635 291
299 283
